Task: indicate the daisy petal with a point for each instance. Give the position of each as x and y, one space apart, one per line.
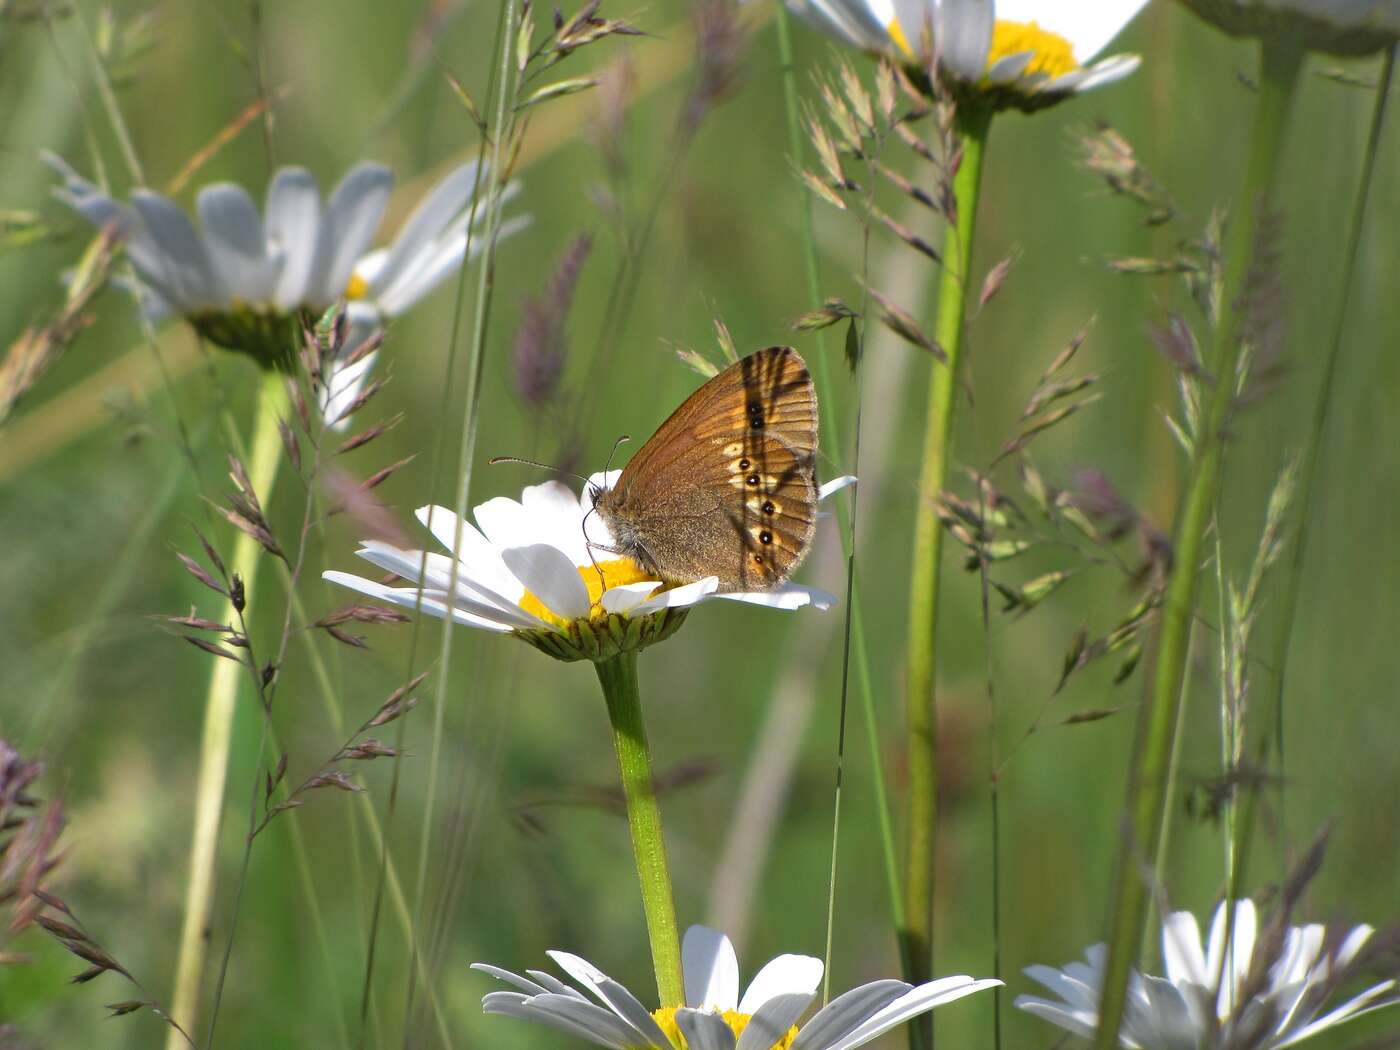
555 985
787 596
1351 1009
711 969
233 234
1181 948
625 597
963 35
444 260
773 1019
847 1012
554 504
433 215
835 485
586 1020
352 216
1080 1022
917 1001
480 559
409 598
784 975
615 996
293 233
704 1031
549 574
527 986
345 382
186 273
1109 71
680 598
1077 993
504 523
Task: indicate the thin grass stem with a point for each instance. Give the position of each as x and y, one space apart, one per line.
831 421
1281 60
1317 436
888 849
500 85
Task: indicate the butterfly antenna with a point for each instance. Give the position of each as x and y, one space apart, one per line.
616 445
536 463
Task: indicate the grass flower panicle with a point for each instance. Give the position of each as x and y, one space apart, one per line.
243 278
715 1016
1340 27
1261 992
1015 53
538 567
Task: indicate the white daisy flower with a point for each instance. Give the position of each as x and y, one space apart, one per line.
1342 27
716 1016
243 277
538 567
1021 53
1269 990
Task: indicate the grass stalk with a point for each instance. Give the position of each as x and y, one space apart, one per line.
831 421
618 677
496 94
1313 449
973 125
219 706
1281 60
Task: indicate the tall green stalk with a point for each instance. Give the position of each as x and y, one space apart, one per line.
265 457
1312 451
618 677
973 123
1281 60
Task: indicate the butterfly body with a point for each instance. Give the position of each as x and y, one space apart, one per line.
727 485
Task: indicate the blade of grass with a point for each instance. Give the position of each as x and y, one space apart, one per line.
1317 436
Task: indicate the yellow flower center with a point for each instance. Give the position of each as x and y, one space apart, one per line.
606 575
901 41
1053 54
358 287
736 1021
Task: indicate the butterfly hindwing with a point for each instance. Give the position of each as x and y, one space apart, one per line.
726 486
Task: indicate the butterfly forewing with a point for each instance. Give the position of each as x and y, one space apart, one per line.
726 487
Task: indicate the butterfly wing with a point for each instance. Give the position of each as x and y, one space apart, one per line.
727 486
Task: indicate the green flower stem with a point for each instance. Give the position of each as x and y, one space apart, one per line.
618 677
974 121
220 703
1281 61
1312 451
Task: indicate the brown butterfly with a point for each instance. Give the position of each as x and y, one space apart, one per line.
727 485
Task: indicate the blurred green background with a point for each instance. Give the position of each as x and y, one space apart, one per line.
95 493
